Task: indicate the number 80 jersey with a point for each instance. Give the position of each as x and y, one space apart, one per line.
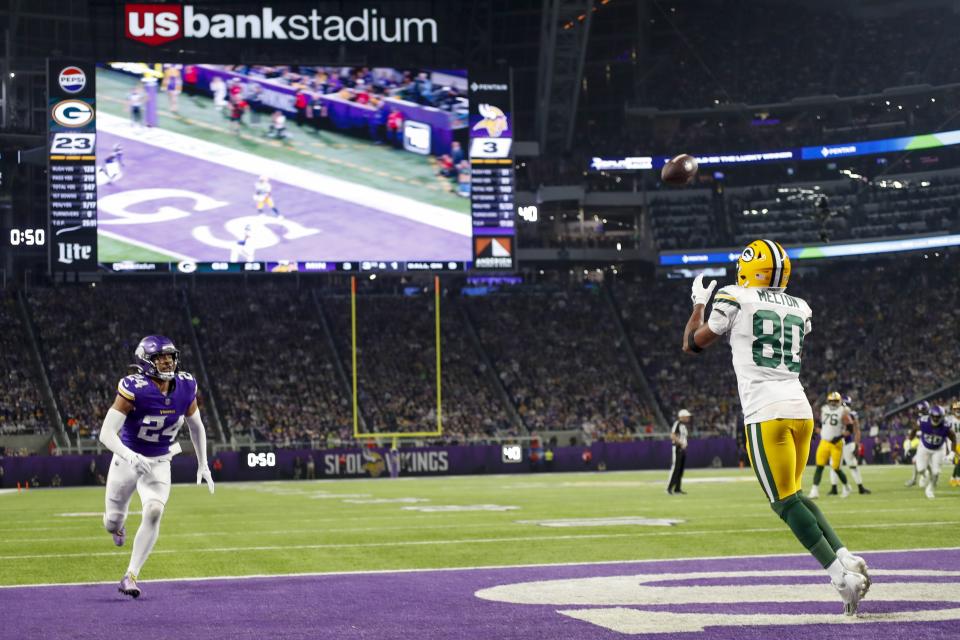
767 328
156 418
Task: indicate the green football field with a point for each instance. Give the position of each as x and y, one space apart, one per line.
56 536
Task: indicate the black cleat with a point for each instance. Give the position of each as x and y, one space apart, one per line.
833 491
864 491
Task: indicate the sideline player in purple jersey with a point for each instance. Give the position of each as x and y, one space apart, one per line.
930 454
139 429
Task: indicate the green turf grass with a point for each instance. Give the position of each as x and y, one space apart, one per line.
113 250
326 152
204 535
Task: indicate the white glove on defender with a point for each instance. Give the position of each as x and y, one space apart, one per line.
141 463
700 294
203 473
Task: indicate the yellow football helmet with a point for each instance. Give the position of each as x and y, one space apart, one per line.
834 398
956 411
763 263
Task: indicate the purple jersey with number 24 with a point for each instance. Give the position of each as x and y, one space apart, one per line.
153 424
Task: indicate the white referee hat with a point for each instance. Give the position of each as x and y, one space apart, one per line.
683 413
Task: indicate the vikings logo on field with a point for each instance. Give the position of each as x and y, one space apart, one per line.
494 120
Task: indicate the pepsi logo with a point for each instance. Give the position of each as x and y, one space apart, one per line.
72 79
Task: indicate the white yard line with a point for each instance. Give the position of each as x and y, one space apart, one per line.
455 541
400 206
470 568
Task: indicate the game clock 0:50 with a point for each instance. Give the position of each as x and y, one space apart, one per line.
28 237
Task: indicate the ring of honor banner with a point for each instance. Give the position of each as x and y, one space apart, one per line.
72 166
492 172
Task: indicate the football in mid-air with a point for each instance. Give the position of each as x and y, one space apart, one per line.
679 171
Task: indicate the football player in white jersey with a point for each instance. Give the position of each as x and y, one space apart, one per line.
766 329
851 445
834 420
263 195
954 421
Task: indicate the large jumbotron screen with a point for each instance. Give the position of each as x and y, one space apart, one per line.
285 165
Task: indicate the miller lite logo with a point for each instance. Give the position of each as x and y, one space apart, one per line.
70 251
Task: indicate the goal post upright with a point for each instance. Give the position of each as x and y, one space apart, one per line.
395 435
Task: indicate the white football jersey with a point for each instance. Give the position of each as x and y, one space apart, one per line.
766 328
953 422
831 422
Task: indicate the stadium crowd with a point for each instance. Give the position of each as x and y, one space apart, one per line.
21 405
857 345
396 368
559 357
270 362
555 349
87 336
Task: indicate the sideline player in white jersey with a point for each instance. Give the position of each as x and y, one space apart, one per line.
766 329
851 446
263 195
139 429
834 419
954 421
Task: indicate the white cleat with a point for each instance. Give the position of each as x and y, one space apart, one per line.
929 492
845 492
856 564
852 587
910 482
814 492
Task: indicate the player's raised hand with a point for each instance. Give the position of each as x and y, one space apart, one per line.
203 473
700 294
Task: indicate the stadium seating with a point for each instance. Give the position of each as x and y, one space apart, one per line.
397 367
87 336
560 356
21 404
273 371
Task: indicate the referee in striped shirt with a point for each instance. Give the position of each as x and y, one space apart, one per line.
678 437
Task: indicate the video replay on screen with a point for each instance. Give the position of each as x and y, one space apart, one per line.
241 163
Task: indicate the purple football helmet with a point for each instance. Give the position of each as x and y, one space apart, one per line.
847 400
923 408
936 414
151 347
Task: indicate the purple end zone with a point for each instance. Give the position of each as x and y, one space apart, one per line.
347 230
441 604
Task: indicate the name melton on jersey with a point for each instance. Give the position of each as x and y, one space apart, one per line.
156 418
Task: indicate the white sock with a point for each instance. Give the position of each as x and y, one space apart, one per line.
855 472
933 479
146 537
833 477
843 552
836 571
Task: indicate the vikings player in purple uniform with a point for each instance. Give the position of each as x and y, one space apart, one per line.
930 454
923 411
139 429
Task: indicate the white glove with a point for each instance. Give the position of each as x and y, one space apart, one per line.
141 463
203 473
700 294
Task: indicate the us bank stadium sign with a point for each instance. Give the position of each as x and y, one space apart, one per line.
159 24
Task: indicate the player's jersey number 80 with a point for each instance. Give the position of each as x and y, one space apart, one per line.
780 339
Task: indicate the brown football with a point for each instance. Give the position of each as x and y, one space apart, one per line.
681 170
